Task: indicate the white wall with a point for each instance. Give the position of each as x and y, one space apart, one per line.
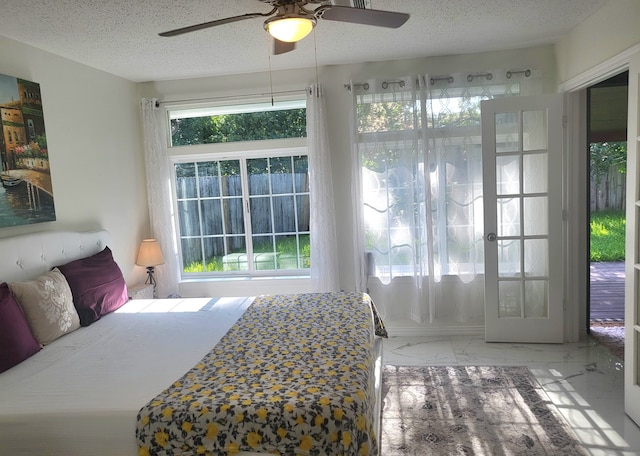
608 32
92 121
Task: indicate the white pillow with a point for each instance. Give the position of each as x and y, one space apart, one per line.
47 304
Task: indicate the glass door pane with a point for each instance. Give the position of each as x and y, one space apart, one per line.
523 223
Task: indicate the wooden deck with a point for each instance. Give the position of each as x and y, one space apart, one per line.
607 291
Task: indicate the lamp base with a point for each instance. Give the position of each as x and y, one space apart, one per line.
151 279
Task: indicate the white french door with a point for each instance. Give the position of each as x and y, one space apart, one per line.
522 153
632 287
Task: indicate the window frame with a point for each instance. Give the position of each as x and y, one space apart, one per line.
238 150
242 151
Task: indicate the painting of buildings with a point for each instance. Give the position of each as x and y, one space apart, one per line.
26 195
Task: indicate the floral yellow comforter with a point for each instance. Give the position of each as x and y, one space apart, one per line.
293 376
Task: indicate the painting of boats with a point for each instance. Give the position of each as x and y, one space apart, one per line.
26 194
9 181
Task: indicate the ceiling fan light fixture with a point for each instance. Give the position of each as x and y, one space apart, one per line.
290 28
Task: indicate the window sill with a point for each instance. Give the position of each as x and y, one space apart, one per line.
243 278
244 286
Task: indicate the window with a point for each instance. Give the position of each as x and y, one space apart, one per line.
32 129
254 122
241 182
421 164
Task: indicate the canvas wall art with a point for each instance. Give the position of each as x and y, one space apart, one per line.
26 194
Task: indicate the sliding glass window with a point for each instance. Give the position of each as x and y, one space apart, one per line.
241 182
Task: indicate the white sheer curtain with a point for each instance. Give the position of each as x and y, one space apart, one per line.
159 195
418 175
391 230
324 263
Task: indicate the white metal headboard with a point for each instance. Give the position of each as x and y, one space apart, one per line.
27 256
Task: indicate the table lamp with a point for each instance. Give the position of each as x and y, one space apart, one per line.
150 256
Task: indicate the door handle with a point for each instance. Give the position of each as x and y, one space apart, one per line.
491 237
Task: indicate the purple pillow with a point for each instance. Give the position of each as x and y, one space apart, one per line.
16 340
97 285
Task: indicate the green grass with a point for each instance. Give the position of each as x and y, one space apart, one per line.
607 236
285 246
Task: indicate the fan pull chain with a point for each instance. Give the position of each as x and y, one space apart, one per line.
270 75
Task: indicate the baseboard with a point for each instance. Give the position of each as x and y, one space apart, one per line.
443 331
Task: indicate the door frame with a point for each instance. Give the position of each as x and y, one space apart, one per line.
628 60
576 230
632 257
576 186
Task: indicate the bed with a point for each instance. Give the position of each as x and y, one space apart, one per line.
192 376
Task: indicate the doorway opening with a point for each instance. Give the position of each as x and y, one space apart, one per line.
607 136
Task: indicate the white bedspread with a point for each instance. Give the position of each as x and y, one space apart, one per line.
80 395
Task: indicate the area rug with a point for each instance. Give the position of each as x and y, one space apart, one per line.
466 410
611 335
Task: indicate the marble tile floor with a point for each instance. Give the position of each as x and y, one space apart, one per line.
582 379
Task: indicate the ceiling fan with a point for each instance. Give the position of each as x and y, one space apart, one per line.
291 20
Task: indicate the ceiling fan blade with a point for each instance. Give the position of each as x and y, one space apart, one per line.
379 18
281 47
227 20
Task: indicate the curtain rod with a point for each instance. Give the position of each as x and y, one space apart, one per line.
470 77
232 97
365 85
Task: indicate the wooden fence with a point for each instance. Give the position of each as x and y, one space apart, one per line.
609 193
279 204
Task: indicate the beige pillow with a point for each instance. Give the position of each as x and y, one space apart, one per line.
47 304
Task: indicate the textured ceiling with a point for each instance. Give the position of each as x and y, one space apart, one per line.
121 36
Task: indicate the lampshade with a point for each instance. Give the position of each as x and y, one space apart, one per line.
149 254
290 28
